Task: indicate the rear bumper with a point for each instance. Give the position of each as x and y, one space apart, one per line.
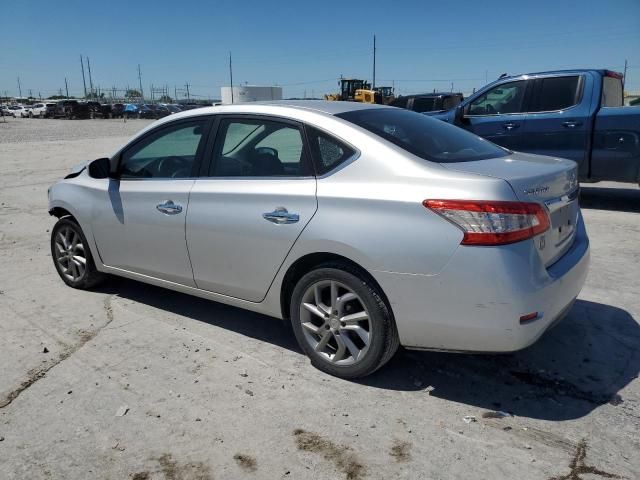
476 302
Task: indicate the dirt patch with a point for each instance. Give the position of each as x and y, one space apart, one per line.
400 451
342 458
36 374
141 476
552 387
173 470
578 467
246 462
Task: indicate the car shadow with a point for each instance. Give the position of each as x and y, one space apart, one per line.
604 198
244 322
577 366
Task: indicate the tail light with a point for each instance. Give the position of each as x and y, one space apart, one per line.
492 222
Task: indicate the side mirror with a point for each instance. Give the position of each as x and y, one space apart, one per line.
458 116
100 168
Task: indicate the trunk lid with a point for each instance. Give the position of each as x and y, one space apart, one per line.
550 181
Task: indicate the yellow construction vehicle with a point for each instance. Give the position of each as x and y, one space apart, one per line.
350 90
356 90
386 95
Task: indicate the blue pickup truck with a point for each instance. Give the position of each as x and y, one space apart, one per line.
575 114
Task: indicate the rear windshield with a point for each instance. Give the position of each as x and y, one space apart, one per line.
426 137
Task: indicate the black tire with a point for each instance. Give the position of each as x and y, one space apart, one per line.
91 276
384 334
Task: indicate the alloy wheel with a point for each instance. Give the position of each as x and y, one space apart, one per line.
335 322
70 253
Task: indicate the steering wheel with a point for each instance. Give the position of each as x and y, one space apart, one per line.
171 167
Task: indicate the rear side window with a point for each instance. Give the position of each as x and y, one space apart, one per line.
423 136
611 92
328 152
555 93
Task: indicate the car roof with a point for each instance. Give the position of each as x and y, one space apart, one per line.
431 94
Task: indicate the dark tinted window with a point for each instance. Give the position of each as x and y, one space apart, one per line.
449 102
328 152
555 93
258 148
424 104
400 102
423 136
611 92
168 153
501 99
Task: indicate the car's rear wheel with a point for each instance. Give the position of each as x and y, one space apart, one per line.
72 256
341 321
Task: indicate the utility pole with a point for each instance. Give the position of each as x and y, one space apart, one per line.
19 88
624 76
187 87
231 76
451 87
175 94
84 83
66 86
374 63
90 80
486 77
140 82
30 93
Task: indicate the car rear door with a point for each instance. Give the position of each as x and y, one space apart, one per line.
499 114
250 205
559 118
139 224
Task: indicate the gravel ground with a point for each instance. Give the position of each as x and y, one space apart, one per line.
134 382
29 130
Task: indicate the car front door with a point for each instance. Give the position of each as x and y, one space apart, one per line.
558 122
253 202
499 114
139 224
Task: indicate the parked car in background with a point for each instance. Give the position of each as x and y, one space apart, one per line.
99 110
428 102
7 112
117 110
173 108
21 111
72 109
50 110
147 111
37 110
575 114
131 110
300 210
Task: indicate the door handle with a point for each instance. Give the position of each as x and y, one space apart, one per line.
169 208
511 125
281 216
571 124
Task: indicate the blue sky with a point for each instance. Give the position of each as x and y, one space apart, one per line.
306 46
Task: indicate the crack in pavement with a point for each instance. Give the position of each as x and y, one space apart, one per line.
37 373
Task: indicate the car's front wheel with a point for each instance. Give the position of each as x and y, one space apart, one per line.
342 322
72 256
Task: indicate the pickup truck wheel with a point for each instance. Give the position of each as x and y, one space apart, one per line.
72 256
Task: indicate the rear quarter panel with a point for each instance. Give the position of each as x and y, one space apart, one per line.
616 144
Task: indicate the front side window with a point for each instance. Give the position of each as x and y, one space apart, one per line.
258 148
168 153
328 152
423 136
501 99
555 93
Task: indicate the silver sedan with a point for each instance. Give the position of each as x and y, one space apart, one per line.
366 227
